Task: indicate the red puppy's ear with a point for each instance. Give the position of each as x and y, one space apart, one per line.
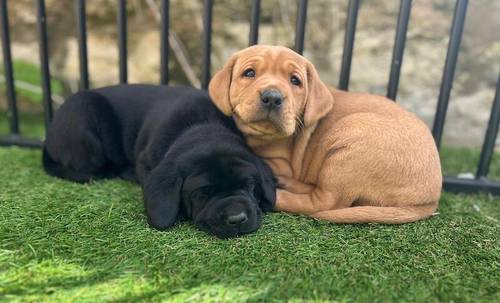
218 88
319 100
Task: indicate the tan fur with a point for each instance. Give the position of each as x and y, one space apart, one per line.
339 156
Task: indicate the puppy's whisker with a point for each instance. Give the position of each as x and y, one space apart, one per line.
300 124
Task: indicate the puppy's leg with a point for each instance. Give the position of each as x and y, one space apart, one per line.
293 185
327 206
307 203
377 214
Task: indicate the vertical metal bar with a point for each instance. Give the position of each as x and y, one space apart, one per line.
399 47
8 70
300 28
207 42
164 41
44 62
490 136
254 23
122 39
449 69
82 43
350 31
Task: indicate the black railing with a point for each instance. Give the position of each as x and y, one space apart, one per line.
479 183
253 35
82 43
207 42
449 69
44 62
350 31
300 30
7 63
399 47
164 45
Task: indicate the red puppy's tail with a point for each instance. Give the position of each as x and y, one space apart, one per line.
377 214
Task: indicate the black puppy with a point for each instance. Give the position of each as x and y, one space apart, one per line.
189 158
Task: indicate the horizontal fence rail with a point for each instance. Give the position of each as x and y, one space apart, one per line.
479 183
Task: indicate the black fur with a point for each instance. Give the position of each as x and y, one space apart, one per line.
190 159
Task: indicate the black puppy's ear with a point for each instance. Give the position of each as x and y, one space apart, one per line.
162 196
266 187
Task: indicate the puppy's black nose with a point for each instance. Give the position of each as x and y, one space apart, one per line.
237 219
271 99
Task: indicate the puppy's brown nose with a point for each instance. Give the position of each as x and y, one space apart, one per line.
271 99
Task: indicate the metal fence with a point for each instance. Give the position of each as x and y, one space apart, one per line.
479 183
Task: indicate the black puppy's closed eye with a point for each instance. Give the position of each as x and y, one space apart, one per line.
249 73
201 194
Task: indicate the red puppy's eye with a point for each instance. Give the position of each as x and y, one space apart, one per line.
295 81
249 73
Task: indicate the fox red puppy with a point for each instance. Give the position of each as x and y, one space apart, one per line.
339 156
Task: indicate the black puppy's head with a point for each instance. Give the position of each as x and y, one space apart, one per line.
227 194
224 193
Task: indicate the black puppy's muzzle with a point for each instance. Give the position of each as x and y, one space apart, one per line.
230 216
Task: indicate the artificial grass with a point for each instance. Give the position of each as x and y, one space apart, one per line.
61 241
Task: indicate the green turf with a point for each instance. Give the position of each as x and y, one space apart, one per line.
61 241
